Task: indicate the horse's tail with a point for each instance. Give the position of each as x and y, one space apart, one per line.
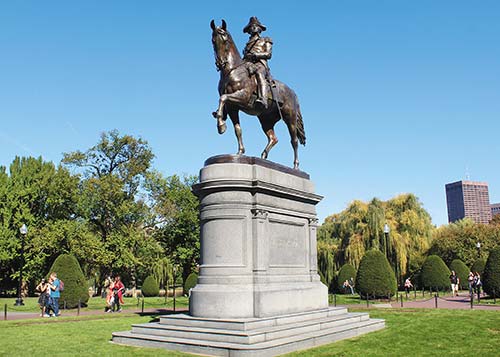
301 134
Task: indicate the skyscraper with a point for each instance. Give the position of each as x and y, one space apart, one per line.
468 199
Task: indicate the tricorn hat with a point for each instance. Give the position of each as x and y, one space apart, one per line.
253 21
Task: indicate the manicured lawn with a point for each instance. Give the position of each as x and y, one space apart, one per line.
408 332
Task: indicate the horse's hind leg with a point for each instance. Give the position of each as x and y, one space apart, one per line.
272 139
292 129
235 118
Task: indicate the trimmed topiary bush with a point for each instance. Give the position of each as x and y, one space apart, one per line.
150 287
435 274
345 273
462 272
190 283
478 266
75 285
375 276
491 274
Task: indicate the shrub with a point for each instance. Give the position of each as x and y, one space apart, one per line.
150 287
462 272
375 276
491 275
75 285
478 266
190 283
345 273
435 274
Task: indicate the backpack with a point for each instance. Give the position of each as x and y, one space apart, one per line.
61 285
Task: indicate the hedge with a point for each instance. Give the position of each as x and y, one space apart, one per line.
491 275
190 283
375 276
150 287
435 274
478 266
75 285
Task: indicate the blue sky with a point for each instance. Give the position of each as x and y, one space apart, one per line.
397 96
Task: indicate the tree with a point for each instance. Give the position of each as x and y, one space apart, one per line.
375 276
326 261
435 274
35 193
345 273
491 275
462 272
360 227
176 219
113 171
458 240
75 285
190 283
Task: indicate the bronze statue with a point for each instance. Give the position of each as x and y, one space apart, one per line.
247 85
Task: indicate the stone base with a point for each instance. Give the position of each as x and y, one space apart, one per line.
250 336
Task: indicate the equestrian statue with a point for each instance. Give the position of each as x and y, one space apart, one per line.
246 84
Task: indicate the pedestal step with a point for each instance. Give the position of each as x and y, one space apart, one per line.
218 340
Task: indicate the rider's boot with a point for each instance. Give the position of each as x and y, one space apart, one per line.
261 91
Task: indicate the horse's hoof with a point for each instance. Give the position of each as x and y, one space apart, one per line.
240 152
263 155
222 128
214 114
296 166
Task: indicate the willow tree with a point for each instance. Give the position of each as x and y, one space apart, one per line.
360 227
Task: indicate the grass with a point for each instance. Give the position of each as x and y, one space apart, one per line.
97 303
409 331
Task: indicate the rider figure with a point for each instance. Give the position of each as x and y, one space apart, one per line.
257 51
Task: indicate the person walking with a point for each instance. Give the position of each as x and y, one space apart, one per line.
118 290
470 281
408 285
454 283
44 299
55 293
477 283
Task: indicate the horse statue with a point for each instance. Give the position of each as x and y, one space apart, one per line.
238 91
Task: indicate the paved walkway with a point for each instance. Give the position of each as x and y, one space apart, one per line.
14 315
448 302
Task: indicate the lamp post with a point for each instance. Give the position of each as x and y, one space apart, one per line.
387 229
19 301
478 246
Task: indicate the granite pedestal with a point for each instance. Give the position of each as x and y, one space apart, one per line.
258 291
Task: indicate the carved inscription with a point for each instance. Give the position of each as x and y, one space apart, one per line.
287 244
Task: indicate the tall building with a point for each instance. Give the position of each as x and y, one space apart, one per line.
495 209
468 199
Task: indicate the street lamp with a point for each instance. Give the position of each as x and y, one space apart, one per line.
387 229
478 246
19 301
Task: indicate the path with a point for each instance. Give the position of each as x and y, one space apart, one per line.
14 315
448 302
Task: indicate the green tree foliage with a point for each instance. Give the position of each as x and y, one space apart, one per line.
435 274
491 275
462 272
113 171
458 241
478 266
176 218
375 276
150 287
360 227
75 285
326 261
345 273
37 194
190 283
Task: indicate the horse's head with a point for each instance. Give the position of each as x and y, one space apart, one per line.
226 53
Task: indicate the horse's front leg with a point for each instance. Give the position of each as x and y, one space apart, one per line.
221 114
235 118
